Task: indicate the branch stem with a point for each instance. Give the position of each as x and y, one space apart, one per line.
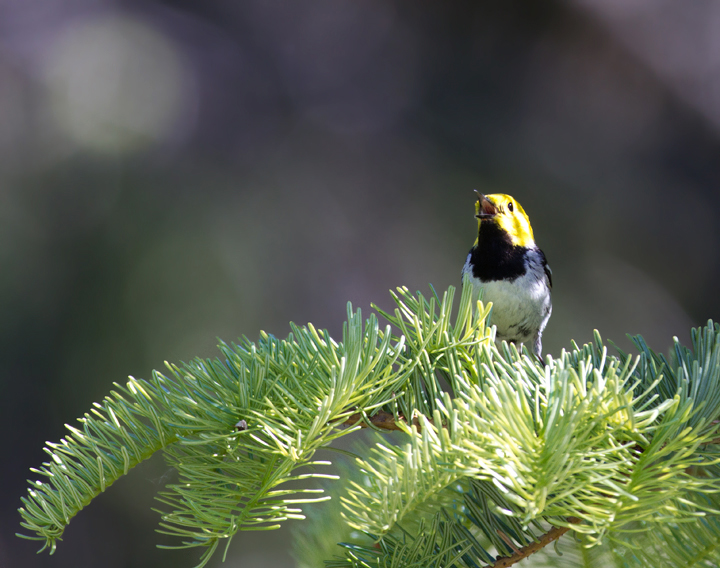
552 535
381 420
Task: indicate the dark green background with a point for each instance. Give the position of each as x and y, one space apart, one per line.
327 152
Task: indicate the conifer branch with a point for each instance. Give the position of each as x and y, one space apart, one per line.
602 445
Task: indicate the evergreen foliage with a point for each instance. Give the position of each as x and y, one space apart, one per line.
497 447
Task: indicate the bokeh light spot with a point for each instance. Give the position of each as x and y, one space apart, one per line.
116 84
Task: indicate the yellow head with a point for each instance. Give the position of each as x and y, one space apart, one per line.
507 214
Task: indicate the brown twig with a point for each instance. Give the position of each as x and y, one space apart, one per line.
550 536
382 420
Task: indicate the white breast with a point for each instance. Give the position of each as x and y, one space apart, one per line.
522 307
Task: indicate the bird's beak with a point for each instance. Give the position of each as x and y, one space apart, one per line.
485 209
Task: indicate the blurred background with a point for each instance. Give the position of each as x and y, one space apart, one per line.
172 172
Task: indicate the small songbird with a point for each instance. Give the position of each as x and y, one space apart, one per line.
510 269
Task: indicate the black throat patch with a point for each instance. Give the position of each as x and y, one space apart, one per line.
495 257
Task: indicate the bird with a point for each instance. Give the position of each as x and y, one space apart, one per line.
510 270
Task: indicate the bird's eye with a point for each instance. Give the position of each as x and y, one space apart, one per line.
510 207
